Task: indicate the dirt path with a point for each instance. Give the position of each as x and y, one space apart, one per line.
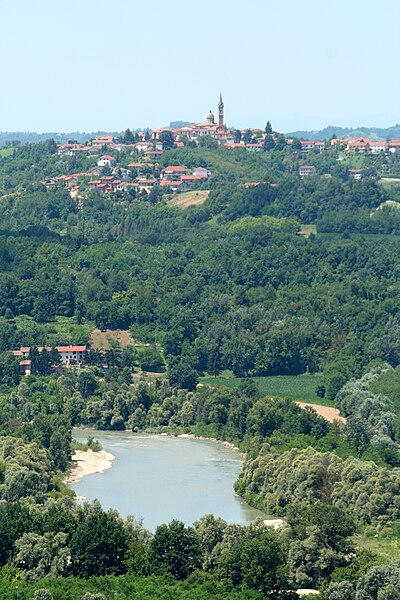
327 412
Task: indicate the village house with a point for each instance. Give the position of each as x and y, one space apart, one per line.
202 172
355 173
306 170
172 172
307 145
254 147
154 153
121 172
106 160
174 186
69 356
143 146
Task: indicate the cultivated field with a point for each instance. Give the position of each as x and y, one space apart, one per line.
195 198
296 387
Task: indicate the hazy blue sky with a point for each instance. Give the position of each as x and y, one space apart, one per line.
96 64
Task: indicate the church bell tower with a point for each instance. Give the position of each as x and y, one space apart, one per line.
220 112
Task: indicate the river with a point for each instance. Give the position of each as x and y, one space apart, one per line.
159 478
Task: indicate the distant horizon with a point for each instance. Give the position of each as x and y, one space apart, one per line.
148 128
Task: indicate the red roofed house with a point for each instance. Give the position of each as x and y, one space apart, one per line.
71 354
173 185
355 173
307 145
191 178
307 170
106 160
173 171
376 147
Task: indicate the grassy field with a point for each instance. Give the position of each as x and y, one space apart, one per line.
307 230
296 387
390 183
103 340
6 152
63 330
387 548
185 199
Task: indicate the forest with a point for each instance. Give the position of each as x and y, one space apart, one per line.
233 286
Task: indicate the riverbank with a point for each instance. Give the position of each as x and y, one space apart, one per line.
208 439
89 462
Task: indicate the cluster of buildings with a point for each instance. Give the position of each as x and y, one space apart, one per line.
110 176
70 356
365 146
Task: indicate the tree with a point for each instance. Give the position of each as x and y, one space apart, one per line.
254 559
23 484
237 136
167 139
321 541
182 375
377 582
39 556
9 369
150 359
174 550
87 383
239 354
99 545
268 128
344 590
248 136
43 594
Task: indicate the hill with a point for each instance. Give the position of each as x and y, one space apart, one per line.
372 133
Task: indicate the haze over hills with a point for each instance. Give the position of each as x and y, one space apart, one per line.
372 133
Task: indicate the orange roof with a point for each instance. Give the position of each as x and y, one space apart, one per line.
191 177
71 348
173 169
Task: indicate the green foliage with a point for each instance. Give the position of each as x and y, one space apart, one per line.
253 559
174 550
319 541
275 481
9 370
99 544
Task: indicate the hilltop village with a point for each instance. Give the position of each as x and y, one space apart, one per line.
132 163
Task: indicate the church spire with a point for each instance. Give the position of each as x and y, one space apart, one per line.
220 111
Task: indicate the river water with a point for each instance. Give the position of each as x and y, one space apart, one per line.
159 478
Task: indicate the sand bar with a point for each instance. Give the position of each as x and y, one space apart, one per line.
88 462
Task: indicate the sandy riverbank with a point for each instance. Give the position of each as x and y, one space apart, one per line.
89 462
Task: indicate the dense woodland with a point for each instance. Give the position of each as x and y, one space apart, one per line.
232 285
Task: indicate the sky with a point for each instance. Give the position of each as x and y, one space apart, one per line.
90 65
